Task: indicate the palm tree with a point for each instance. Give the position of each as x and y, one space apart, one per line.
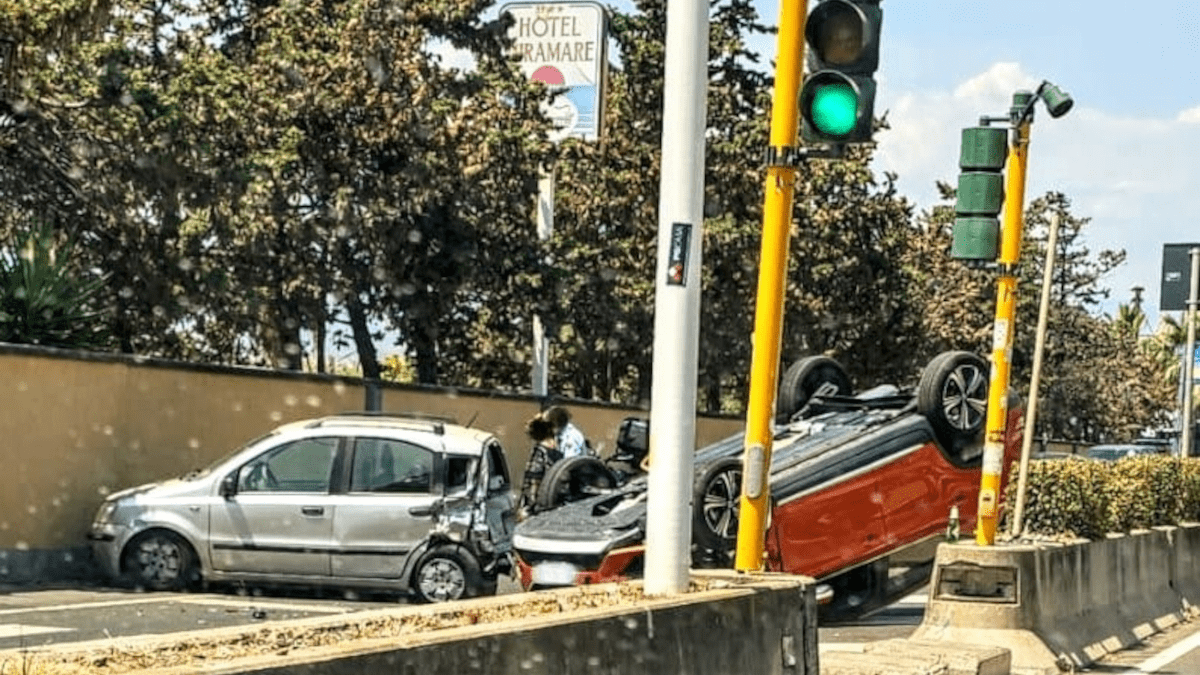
44 299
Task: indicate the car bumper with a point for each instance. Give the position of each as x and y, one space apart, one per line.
618 565
106 542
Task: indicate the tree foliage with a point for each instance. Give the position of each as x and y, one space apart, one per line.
256 179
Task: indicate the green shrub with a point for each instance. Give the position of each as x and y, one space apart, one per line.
1087 498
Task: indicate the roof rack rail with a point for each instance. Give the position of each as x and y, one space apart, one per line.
437 422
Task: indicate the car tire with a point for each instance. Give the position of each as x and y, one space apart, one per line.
716 495
445 573
160 560
572 479
953 396
803 379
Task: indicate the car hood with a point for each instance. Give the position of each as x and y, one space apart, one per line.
605 521
165 489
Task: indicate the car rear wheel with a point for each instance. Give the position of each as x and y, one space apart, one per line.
448 573
953 395
806 378
159 560
717 495
572 479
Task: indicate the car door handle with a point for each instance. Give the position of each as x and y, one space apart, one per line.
312 510
420 511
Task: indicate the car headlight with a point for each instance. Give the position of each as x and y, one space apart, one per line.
105 513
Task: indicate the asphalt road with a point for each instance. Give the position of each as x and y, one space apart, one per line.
39 617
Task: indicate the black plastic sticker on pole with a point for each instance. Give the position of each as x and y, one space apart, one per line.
681 235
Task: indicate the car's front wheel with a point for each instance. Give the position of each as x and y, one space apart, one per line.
159 560
572 479
448 573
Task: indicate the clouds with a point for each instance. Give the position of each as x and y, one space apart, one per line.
1136 177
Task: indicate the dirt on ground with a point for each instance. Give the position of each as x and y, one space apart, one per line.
195 651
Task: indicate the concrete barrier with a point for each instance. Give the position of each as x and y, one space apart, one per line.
762 624
1063 605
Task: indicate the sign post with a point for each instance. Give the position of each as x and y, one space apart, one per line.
563 45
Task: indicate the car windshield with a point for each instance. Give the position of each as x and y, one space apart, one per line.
195 474
1114 452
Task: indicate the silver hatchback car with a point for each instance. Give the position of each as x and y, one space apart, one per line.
410 504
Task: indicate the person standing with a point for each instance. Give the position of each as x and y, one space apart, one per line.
545 453
570 440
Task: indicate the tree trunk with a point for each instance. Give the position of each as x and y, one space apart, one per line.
367 358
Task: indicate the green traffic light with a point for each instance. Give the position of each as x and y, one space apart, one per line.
834 109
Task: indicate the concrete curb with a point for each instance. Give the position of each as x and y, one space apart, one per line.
917 657
1062 605
764 624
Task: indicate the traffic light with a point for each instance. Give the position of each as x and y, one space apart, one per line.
980 194
837 99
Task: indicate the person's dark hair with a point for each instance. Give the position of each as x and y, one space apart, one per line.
557 416
539 428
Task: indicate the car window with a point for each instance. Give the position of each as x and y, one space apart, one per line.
299 466
498 480
386 465
458 473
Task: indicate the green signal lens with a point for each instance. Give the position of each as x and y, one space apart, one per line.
834 109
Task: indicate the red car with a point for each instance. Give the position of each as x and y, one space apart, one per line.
862 488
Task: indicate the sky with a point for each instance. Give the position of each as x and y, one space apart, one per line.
1127 155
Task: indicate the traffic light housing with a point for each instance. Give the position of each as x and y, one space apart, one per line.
976 233
837 99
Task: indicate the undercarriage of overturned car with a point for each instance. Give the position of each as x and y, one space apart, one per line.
863 487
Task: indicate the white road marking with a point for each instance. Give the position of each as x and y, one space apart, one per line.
262 603
1166 656
193 600
81 605
12 630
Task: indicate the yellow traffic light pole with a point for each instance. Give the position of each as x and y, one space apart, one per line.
772 274
1002 336
1058 103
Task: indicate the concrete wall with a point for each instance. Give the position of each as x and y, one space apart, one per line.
1069 603
77 427
731 623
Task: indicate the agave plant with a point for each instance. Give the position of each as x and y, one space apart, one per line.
44 299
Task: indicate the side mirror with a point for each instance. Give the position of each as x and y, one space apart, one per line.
229 485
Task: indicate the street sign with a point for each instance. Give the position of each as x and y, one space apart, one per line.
1176 277
564 46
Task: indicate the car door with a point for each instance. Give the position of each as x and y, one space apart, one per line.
917 491
279 520
388 509
829 528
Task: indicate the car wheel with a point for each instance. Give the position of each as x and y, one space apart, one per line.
447 573
953 395
159 560
572 479
804 379
717 495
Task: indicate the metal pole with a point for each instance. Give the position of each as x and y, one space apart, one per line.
677 299
1035 381
1190 362
545 228
1002 336
772 275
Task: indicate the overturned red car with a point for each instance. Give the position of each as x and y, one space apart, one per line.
862 488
